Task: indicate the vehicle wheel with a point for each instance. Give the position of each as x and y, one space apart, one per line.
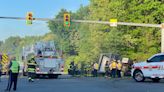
138 76
156 79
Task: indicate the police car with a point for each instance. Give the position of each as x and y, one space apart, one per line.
152 68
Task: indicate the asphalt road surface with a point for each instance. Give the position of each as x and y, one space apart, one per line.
85 84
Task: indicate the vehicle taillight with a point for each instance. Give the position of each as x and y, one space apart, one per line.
62 68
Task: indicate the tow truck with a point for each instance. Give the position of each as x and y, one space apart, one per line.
152 68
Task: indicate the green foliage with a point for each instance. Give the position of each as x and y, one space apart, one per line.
82 42
89 40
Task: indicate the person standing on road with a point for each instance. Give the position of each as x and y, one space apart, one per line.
107 69
113 67
31 67
79 68
119 67
0 71
95 69
71 69
13 74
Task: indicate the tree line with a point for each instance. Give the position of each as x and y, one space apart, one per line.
83 42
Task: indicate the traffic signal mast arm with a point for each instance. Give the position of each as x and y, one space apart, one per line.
88 21
102 22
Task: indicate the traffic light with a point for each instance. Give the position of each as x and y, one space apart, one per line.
29 18
67 20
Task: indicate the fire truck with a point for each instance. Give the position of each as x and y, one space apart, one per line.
50 62
152 68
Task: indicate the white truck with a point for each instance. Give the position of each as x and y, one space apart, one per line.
104 57
49 60
153 68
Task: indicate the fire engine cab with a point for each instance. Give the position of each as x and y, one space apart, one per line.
152 68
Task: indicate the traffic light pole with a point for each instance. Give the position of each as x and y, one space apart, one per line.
162 40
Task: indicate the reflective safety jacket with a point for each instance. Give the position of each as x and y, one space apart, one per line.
113 65
96 66
119 66
31 66
14 67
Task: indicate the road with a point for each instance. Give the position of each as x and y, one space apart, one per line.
85 84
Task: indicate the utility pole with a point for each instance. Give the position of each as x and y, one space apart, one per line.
162 38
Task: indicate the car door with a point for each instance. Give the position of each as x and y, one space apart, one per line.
155 65
161 66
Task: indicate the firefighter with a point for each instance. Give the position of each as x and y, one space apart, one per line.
31 67
95 69
71 69
13 74
79 68
119 67
113 67
0 71
107 69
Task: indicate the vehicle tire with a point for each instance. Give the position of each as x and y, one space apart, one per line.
156 79
138 76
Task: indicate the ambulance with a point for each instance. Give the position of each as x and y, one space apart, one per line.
152 68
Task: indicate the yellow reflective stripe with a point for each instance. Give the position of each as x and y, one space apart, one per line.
31 70
4 58
2 63
4 55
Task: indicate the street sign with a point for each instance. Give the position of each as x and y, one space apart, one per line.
125 60
113 22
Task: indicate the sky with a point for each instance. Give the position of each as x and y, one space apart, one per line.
40 9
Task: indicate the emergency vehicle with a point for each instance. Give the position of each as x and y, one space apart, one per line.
4 61
49 61
152 68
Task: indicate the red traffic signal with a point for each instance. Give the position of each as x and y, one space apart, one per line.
66 18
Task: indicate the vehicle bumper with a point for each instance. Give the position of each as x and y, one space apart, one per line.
58 73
